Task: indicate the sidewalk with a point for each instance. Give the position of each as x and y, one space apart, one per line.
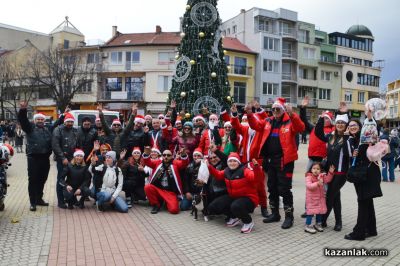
84 237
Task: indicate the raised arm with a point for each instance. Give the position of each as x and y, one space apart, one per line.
106 128
131 121
23 118
319 130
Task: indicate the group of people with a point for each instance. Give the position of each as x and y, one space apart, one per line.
12 132
173 162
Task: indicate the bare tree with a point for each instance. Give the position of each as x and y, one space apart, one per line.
64 72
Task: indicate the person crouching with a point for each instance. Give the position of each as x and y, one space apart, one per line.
165 182
75 180
242 195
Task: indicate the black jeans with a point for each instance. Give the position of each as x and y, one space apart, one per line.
70 198
280 184
38 170
137 192
333 198
233 208
366 220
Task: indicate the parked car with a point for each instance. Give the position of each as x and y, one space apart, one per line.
92 114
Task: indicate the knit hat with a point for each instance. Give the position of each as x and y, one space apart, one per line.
156 150
188 124
116 122
227 123
213 115
199 117
112 154
139 119
198 151
280 103
39 115
79 152
136 149
328 115
343 118
161 116
68 118
234 156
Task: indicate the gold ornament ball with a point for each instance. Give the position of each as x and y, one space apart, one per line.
213 74
202 34
188 7
229 98
183 94
228 67
176 56
192 62
187 115
183 34
225 52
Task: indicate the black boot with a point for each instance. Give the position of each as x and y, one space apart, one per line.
155 209
274 216
264 212
288 222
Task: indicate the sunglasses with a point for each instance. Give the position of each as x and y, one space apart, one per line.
136 153
227 127
167 155
276 109
116 125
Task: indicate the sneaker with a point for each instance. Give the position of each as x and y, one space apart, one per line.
99 207
62 206
246 228
129 202
155 209
318 227
233 222
310 229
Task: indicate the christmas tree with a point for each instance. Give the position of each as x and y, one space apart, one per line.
201 72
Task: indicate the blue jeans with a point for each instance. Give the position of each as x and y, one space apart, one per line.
119 203
185 204
59 188
388 165
318 219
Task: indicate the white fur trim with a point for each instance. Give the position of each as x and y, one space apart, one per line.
80 152
39 116
139 120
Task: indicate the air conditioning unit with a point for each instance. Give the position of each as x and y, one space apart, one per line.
104 55
336 74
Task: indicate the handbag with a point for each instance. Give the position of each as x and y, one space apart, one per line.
357 173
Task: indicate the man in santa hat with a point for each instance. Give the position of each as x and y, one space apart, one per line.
38 151
139 136
278 148
86 136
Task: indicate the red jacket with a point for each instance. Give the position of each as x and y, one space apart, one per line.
317 148
291 125
206 138
169 135
177 165
243 185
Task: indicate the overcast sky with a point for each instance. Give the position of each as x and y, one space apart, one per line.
94 18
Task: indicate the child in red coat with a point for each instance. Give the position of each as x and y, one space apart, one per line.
315 196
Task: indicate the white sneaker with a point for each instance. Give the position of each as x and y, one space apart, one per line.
310 229
246 228
233 222
318 227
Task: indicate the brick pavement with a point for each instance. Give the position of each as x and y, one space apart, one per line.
81 237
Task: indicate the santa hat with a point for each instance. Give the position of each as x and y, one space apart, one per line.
68 118
198 151
156 150
227 123
280 103
213 115
79 152
136 149
178 120
116 122
148 117
39 115
234 156
328 114
199 117
97 118
139 119
161 116
244 117
343 118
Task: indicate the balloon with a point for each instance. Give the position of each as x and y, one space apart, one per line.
378 108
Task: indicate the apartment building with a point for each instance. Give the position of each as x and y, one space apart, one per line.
392 102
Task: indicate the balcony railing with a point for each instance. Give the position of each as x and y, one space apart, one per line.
240 70
122 95
289 53
289 76
290 32
313 102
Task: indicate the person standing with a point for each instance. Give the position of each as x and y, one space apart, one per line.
278 148
38 151
86 136
388 159
19 138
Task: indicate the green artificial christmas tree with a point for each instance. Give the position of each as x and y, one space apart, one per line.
201 78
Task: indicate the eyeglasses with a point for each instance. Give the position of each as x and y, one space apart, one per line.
167 155
353 125
136 153
198 120
116 125
276 109
227 127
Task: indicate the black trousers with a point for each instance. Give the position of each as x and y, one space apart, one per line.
366 220
233 208
70 198
137 192
333 198
38 170
280 184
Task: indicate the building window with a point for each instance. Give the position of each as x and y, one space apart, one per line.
327 76
239 92
361 97
134 87
309 53
303 73
348 96
368 63
135 57
66 44
369 80
114 84
357 61
92 58
164 83
270 88
228 31
343 59
227 59
271 66
116 58
304 36
234 29
240 66
86 88
45 93
263 25
165 57
325 94
272 44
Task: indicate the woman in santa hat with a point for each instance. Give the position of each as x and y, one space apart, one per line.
187 140
242 195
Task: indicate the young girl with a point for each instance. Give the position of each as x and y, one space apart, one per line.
315 196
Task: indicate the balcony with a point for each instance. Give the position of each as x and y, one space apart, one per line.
240 70
289 54
289 33
313 102
136 96
289 77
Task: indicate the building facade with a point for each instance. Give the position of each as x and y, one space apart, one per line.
392 102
